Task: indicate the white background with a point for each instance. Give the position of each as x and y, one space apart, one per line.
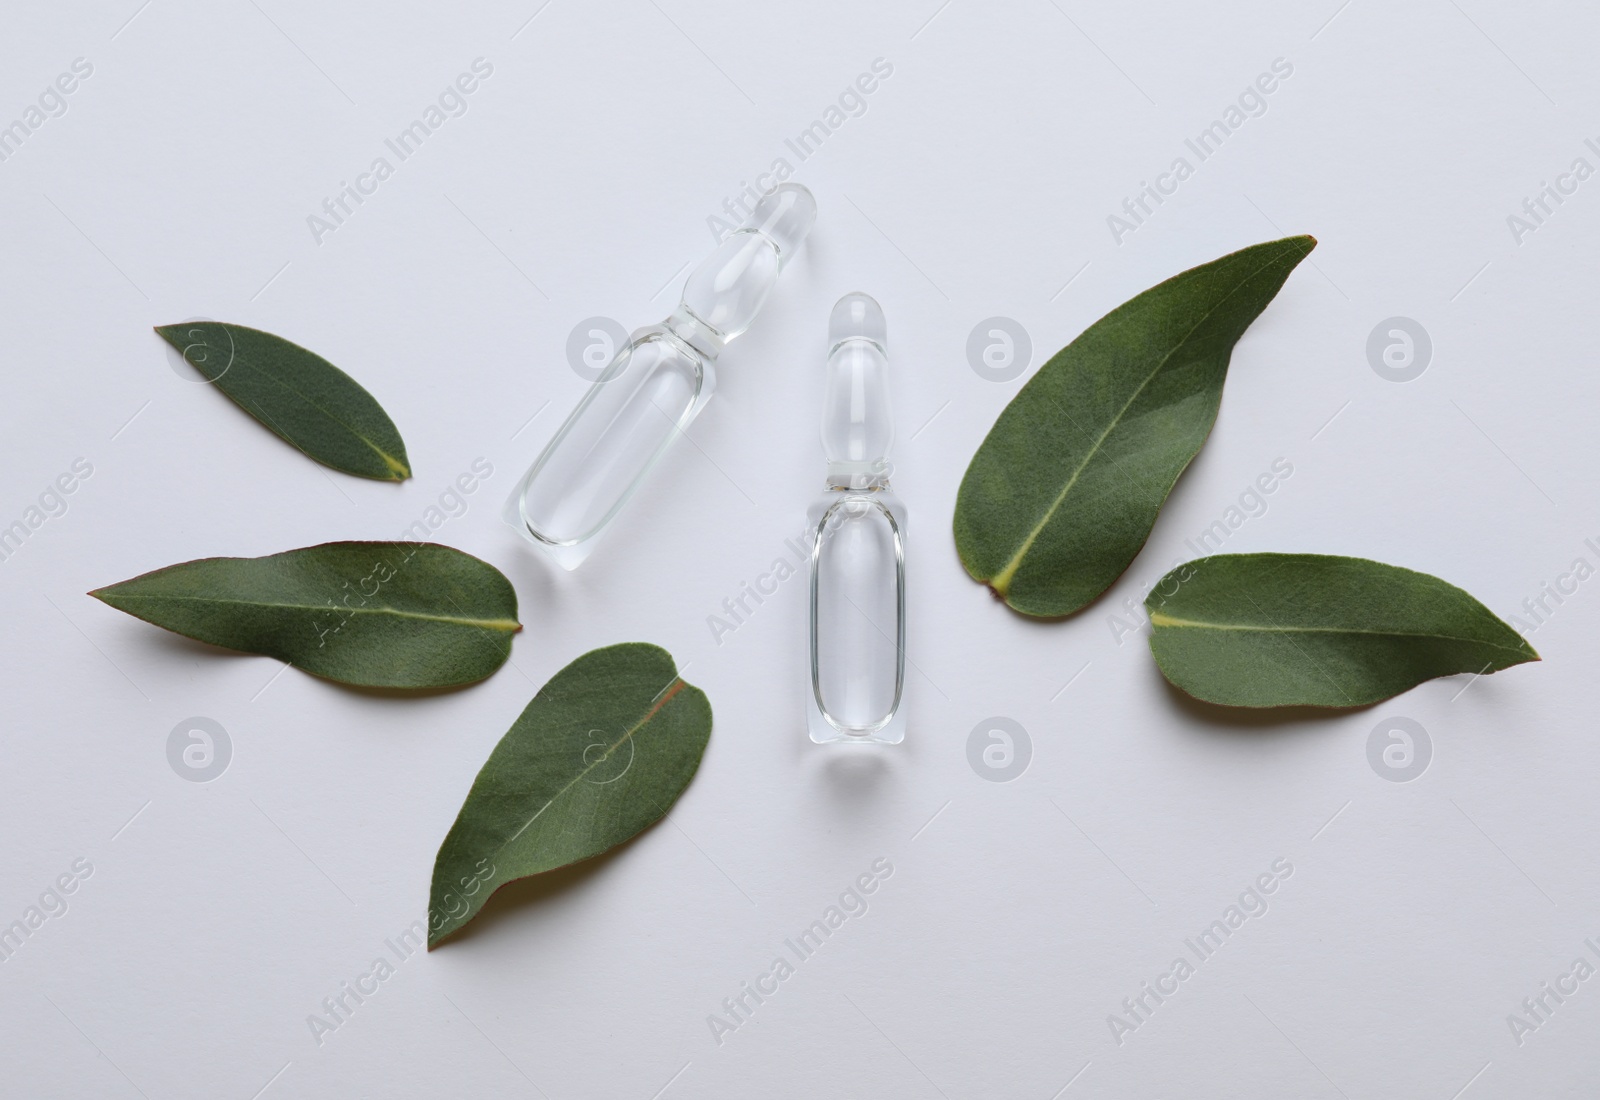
978 182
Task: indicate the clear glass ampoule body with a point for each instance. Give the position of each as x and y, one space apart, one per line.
857 536
654 387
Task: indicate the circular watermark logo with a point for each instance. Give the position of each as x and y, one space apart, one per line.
592 344
603 761
999 749
1399 749
206 352
1399 349
199 749
999 349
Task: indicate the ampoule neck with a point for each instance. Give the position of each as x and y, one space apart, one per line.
857 422
846 476
727 289
701 337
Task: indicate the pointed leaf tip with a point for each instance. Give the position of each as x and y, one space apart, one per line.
296 394
1271 630
1064 490
601 753
374 614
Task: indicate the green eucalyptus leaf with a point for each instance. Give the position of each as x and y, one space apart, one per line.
1066 486
305 399
375 614
1273 630
600 754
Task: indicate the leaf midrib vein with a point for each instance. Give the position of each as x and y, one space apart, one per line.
664 697
1001 581
392 462
1158 619
494 624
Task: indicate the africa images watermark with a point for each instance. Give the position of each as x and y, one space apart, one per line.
1252 103
1538 209
339 1006
850 103
1541 1006
52 103
740 1008
452 504
1251 504
450 103
1399 349
52 904
454 902
736 608
51 503
199 749
1543 605
999 349
1252 903
381 574
1399 749
999 749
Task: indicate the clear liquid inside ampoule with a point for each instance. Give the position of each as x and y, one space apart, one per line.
649 393
858 605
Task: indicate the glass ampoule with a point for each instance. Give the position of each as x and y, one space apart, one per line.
654 386
857 535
